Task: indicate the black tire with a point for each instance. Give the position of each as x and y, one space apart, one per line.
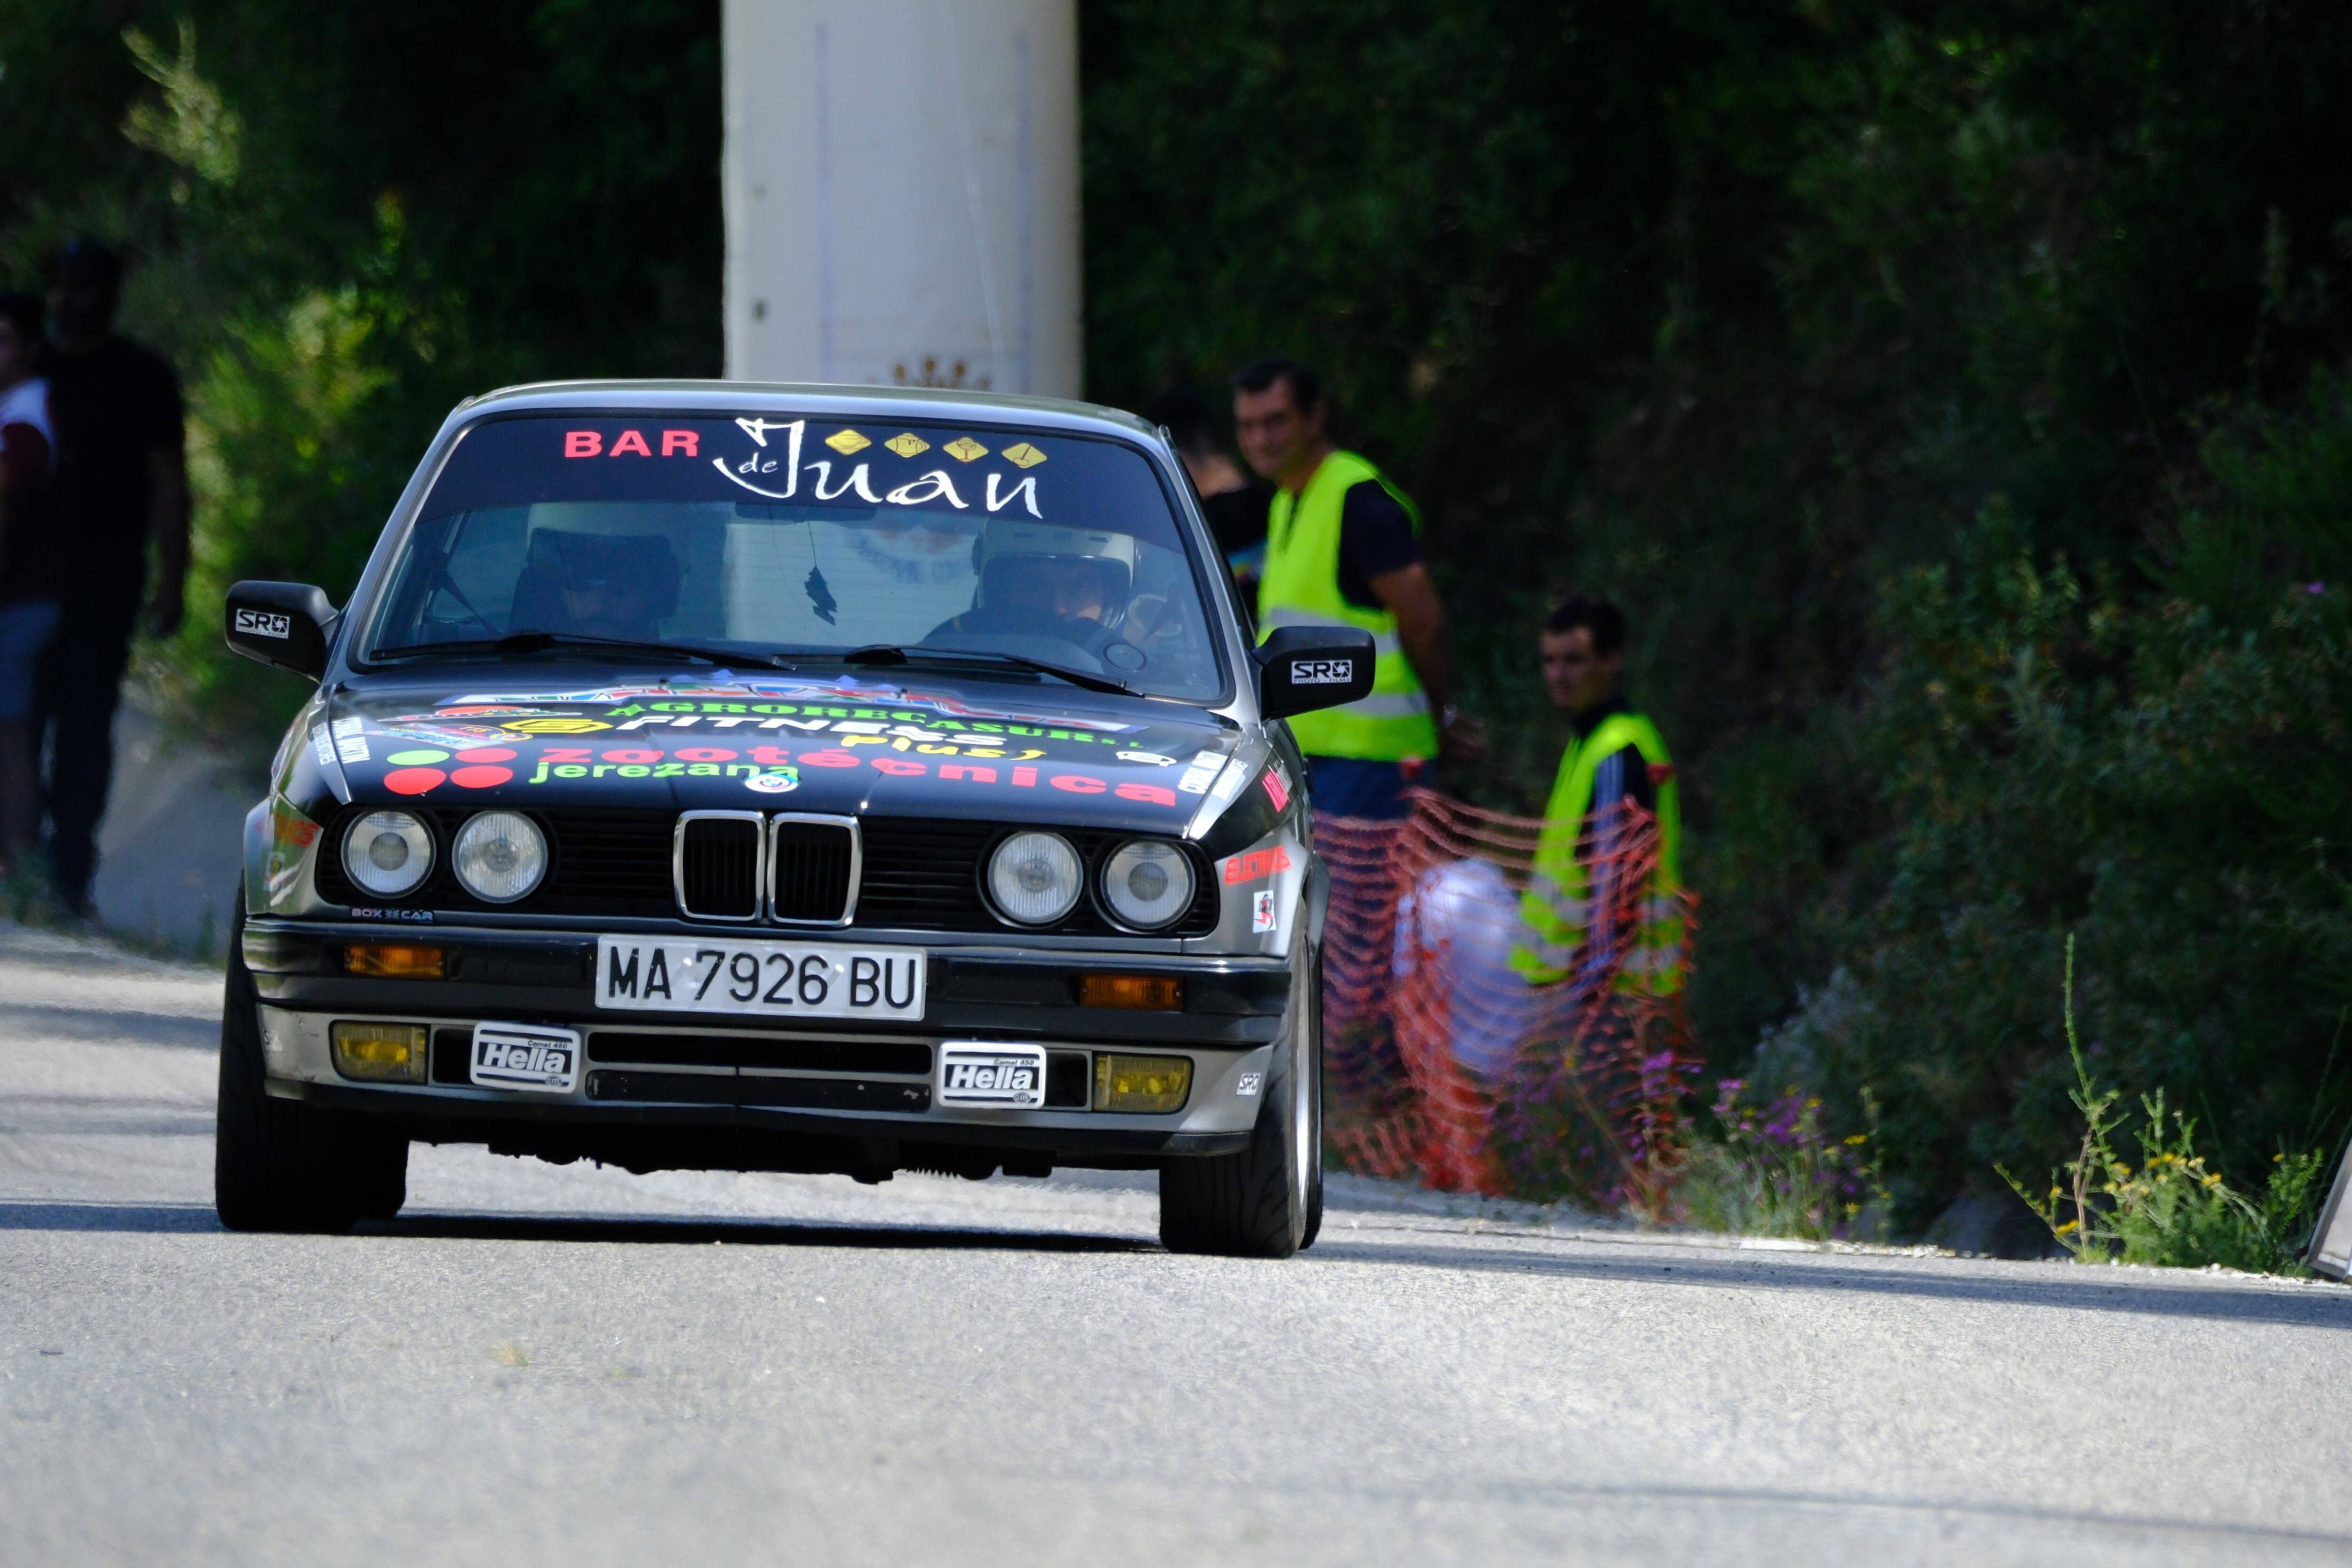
1267 1199
279 1164
1314 1226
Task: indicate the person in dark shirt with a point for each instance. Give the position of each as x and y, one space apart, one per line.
1582 649
29 565
1343 547
122 486
1234 504
1581 645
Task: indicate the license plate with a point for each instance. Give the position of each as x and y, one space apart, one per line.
979 1074
526 1055
762 979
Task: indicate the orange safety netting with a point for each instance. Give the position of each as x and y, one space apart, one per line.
1443 1063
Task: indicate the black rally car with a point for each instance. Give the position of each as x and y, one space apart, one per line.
725 776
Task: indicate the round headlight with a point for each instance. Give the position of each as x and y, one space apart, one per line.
387 852
500 856
1036 878
1147 883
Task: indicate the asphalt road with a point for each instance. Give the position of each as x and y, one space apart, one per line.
542 1364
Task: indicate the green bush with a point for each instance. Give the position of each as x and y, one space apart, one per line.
339 227
2165 778
2170 1209
1773 1170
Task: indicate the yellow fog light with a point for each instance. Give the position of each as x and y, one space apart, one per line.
1145 1084
382 1053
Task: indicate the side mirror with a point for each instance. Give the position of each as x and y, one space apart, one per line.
1301 668
286 625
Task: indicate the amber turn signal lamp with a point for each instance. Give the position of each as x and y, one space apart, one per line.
395 960
1150 1085
1147 993
380 1053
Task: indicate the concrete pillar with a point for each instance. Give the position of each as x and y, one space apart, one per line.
902 192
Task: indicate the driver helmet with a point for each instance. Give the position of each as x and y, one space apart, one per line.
1021 565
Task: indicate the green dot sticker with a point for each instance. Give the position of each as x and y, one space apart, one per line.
417 759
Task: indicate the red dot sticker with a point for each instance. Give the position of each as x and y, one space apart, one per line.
413 781
480 778
487 755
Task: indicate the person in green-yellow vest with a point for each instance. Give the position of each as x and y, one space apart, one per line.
1573 906
1343 548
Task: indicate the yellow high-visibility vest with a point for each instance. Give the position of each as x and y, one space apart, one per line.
1301 588
1558 903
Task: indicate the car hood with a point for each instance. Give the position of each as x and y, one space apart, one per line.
920 745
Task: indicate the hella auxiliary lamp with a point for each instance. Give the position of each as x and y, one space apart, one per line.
1146 1085
379 1053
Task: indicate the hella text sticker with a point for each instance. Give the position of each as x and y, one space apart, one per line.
992 1075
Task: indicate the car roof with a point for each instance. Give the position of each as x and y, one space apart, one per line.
728 397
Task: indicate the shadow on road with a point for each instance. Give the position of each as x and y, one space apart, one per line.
158 1218
741 1232
2067 1286
180 1218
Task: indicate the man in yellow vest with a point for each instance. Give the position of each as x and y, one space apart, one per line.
1343 548
1574 905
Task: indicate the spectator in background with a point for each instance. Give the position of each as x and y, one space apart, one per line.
31 572
1616 765
123 485
1234 504
1504 954
1343 547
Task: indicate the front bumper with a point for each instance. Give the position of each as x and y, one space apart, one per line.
723 1091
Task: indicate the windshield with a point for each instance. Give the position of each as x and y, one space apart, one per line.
777 538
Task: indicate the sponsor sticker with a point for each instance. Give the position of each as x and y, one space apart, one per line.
526 1055
1150 759
780 783
322 745
1248 1084
1322 671
1256 863
1277 788
1202 773
979 1074
265 623
351 745
1262 910
555 726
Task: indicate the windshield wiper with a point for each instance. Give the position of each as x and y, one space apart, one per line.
887 653
538 642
